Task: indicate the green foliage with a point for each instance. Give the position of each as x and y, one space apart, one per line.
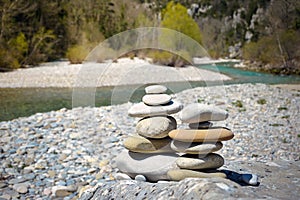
282 108
77 54
7 60
40 46
50 28
20 44
12 55
167 58
261 101
280 49
175 17
238 104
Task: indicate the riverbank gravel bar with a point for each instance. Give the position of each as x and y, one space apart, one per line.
123 72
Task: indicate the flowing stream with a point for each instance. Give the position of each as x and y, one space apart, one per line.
19 102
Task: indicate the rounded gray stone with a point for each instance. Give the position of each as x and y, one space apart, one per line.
210 161
156 99
156 89
196 112
201 125
21 188
195 147
153 166
142 110
156 127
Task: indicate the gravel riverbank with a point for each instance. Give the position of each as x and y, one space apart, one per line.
124 72
65 152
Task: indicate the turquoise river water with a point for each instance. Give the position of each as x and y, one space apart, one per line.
19 102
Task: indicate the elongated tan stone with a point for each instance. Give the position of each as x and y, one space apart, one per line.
140 144
180 174
209 135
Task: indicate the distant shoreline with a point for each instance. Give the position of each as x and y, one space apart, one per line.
125 72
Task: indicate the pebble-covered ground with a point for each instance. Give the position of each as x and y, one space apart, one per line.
129 71
64 152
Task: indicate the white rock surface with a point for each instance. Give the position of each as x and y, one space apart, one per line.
156 89
156 99
195 148
156 127
142 110
153 166
196 112
210 161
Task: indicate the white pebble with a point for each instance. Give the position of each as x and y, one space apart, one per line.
140 178
250 179
122 176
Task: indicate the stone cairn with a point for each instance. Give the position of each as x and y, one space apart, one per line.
160 151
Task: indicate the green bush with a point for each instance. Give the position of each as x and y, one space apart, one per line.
12 54
168 59
281 51
176 17
77 54
8 61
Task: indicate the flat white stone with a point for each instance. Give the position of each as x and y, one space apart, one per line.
153 166
156 89
195 147
142 110
210 161
156 99
122 176
196 112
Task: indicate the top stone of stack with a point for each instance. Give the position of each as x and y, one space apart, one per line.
155 103
156 89
197 113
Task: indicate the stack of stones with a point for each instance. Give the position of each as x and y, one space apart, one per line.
200 141
159 151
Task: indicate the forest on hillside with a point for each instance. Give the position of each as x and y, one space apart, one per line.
266 33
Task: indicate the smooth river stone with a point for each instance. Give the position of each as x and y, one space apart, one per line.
140 144
153 166
156 127
142 110
156 89
196 112
201 125
210 161
180 174
156 99
203 135
195 147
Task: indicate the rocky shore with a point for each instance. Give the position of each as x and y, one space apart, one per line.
124 71
67 154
